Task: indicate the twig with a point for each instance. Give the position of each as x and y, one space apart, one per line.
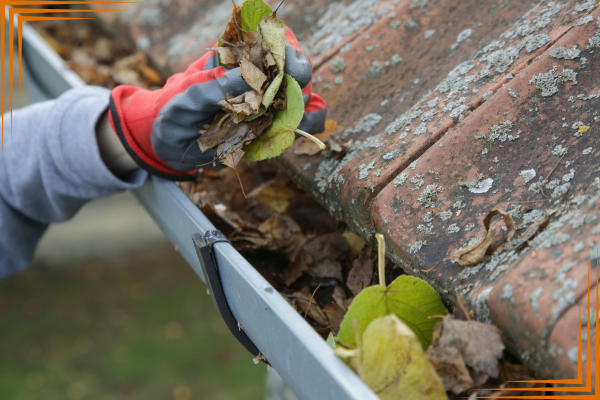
189 147
277 9
210 162
241 186
311 299
426 271
381 258
548 177
311 137
462 307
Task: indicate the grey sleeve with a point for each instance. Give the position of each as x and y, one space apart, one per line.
50 167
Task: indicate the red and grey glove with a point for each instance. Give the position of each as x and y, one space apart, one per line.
157 127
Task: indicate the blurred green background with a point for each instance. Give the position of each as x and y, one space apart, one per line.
136 326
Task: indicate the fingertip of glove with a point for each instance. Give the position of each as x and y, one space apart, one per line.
297 65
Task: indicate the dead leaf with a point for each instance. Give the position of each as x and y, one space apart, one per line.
103 49
297 268
511 229
339 296
479 345
229 217
276 197
302 300
214 133
339 145
246 103
531 232
334 314
355 243
283 234
327 268
307 147
335 146
449 364
361 273
241 134
83 59
226 56
331 127
270 61
514 372
233 31
253 75
332 246
232 159
475 253
151 75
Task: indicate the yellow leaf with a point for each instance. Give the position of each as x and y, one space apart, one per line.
392 363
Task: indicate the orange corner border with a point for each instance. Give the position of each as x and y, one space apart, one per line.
20 19
569 382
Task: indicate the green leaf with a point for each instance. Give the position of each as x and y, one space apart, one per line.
390 361
412 299
280 135
273 33
253 11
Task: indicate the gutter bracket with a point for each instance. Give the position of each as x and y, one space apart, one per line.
204 245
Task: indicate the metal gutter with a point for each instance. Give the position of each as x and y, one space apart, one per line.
305 362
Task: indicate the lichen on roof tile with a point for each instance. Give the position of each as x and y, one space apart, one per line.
561 52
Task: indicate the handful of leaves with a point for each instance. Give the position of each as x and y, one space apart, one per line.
262 122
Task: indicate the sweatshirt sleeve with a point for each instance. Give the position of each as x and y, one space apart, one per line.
50 167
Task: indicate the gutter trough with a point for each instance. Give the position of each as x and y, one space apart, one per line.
300 356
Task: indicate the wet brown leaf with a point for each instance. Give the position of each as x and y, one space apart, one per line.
334 314
215 132
339 296
361 273
355 243
297 268
332 246
451 368
514 372
327 268
479 346
283 234
229 217
276 197
240 134
302 300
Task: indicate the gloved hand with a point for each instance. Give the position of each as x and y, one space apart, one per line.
157 127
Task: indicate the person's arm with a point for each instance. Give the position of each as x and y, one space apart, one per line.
66 152
52 165
114 155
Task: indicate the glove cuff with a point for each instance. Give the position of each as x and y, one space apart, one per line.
134 131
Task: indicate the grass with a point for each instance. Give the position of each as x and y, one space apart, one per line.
135 327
